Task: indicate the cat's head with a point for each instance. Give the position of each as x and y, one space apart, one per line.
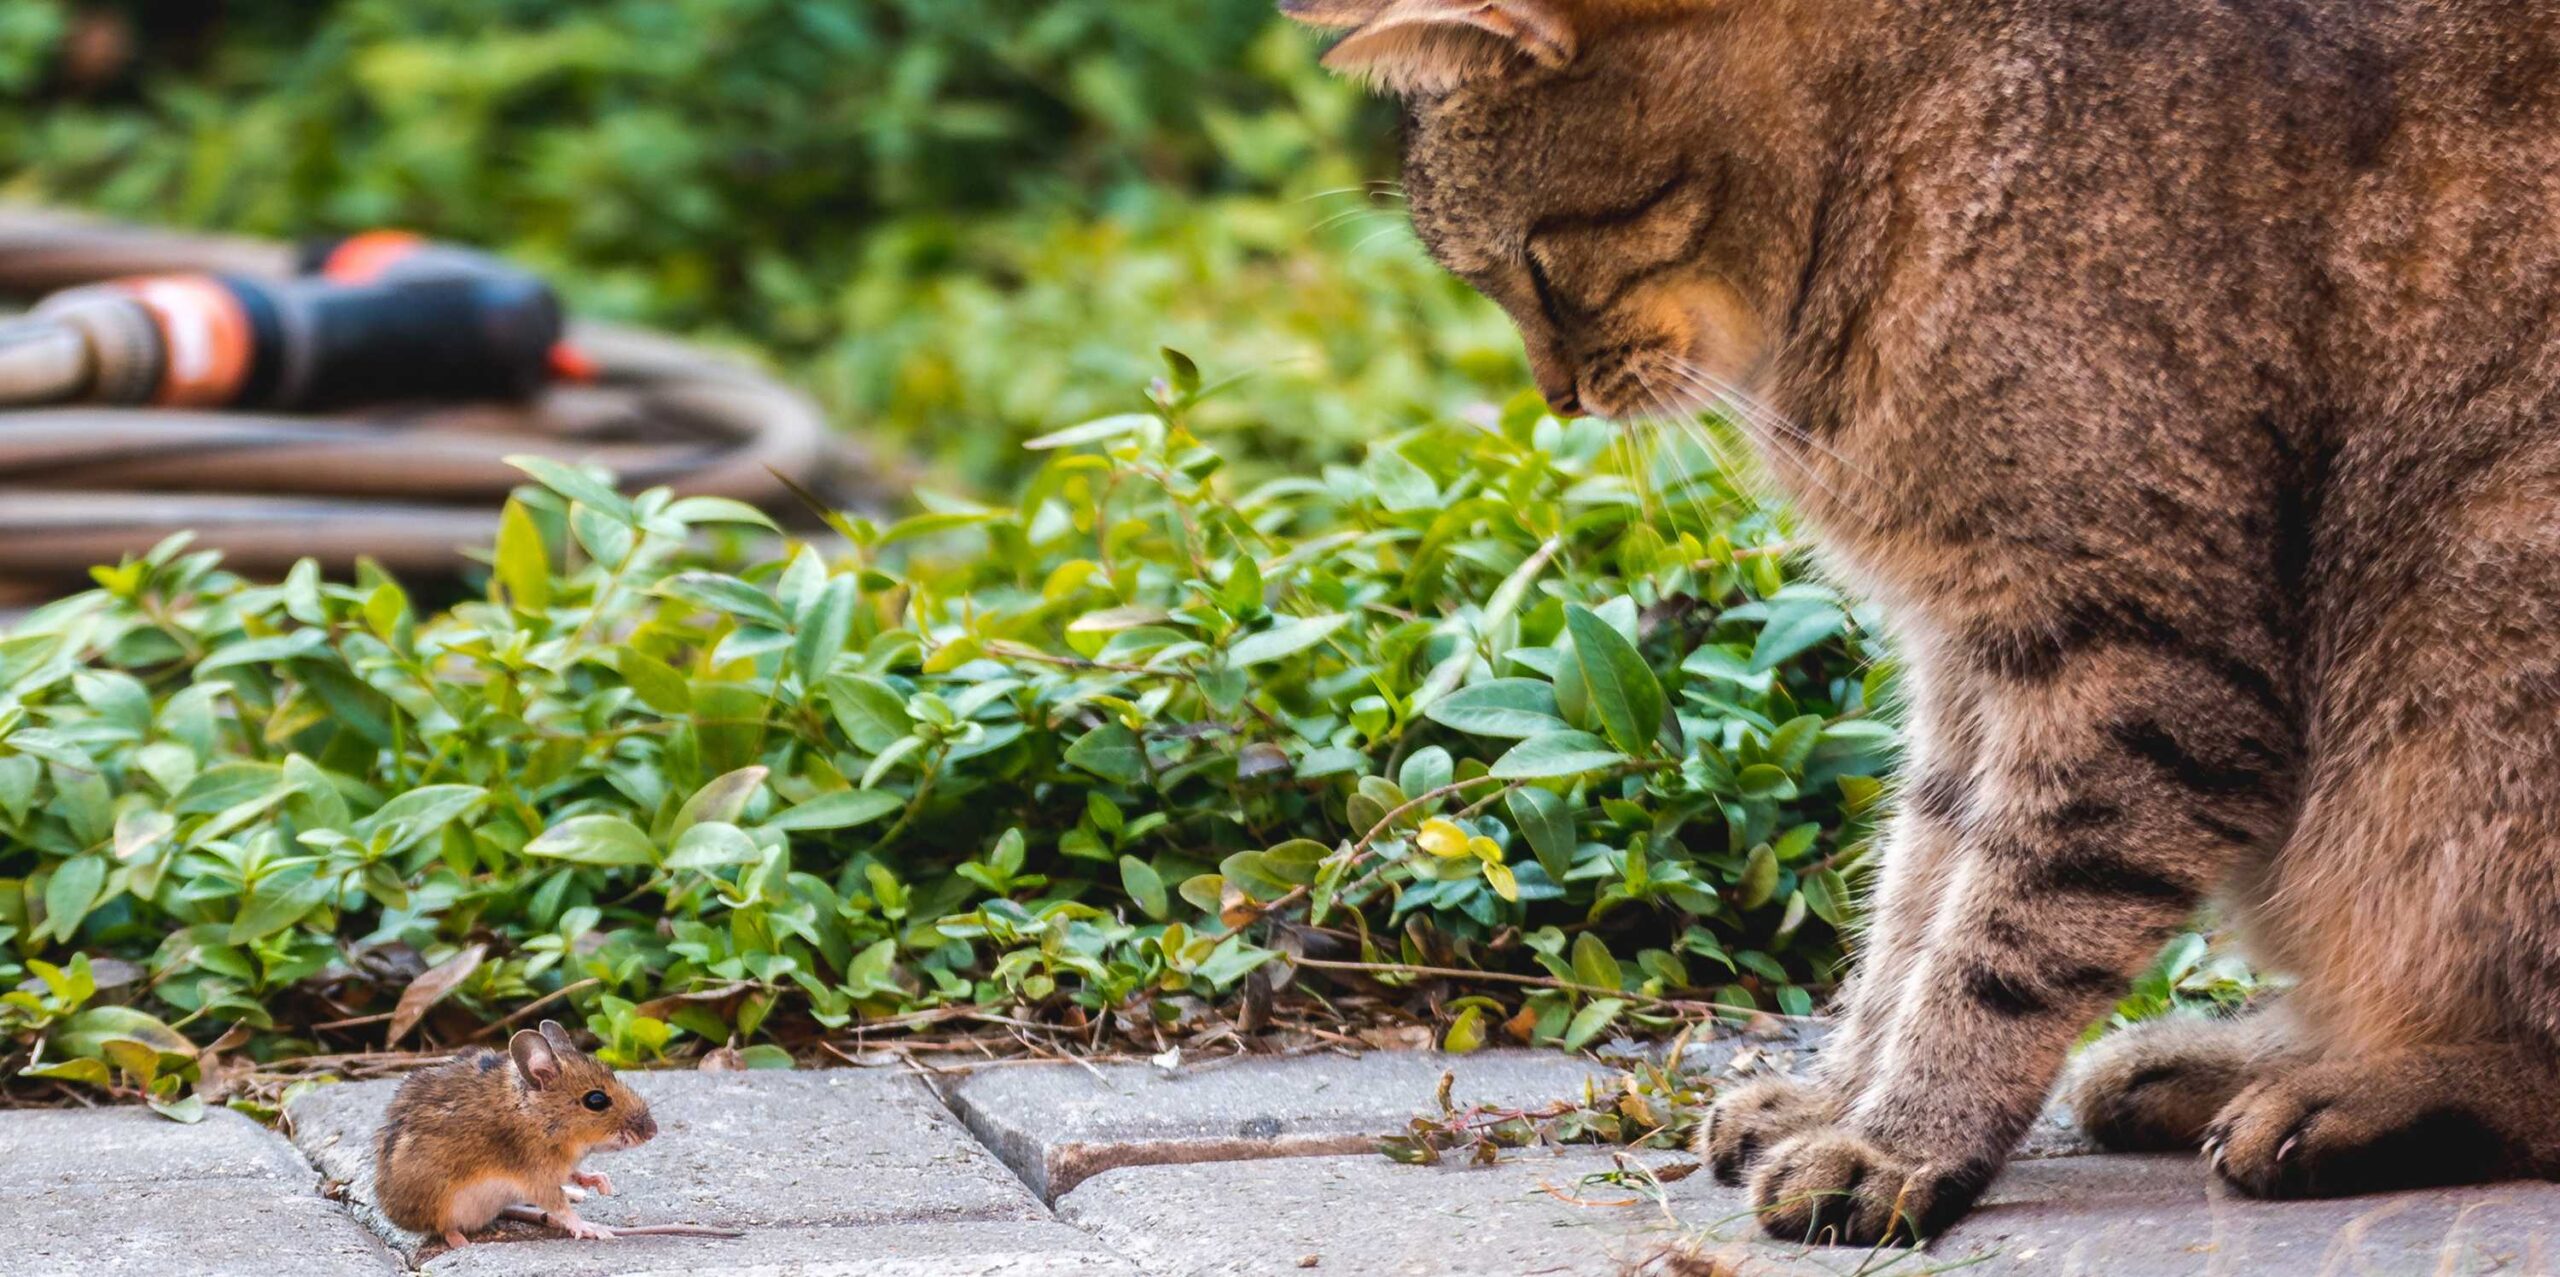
1581 163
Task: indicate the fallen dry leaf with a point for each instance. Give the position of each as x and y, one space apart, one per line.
429 989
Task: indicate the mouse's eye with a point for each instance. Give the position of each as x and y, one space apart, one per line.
597 1100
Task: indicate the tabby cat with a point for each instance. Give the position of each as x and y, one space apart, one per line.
2182 377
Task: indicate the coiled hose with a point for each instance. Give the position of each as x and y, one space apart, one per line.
408 486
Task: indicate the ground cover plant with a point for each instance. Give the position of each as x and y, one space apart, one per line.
1522 696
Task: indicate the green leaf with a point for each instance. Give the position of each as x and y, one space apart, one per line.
1556 754
1624 693
594 840
423 812
71 893
1112 752
1466 1033
1507 708
187 1109
1764 782
1097 431
575 483
1288 638
722 799
655 682
1400 485
276 904
1425 770
712 844
523 568
697 510
726 594
265 651
872 713
1759 879
1795 626
823 628
87 1072
1594 965
1144 886
1546 820
1591 1021
843 809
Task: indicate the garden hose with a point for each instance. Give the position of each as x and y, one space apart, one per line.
105 451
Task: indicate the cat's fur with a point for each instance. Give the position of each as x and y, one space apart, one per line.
2183 377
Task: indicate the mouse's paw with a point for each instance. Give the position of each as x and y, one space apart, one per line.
567 1221
456 1238
593 1181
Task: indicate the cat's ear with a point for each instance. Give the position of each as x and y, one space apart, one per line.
1432 46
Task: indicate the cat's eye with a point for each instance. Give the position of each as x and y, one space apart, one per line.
598 1101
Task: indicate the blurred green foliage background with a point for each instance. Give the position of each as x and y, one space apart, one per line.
960 222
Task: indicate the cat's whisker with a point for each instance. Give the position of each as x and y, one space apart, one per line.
1347 215
1662 408
1366 190
1751 403
1399 225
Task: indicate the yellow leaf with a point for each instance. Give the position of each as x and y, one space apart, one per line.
1485 849
1504 885
1442 838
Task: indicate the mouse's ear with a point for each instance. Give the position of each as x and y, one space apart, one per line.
558 1038
537 1061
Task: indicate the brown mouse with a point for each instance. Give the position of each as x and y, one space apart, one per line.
483 1135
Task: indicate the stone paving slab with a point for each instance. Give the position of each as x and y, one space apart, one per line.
184 1228
2098 1216
99 1193
1363 1215
133 1144
968 1249
1058 1125
748 1150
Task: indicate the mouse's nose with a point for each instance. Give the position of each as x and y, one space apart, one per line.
642 1128
1567 403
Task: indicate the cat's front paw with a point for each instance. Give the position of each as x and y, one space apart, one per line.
2335 1129
1751 1119
1832 1186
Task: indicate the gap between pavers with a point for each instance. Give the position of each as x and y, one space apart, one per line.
1538 1213
95 1193
804 1162
1059 1124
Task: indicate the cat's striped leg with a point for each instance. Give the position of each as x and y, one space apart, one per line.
1915 849
2116 783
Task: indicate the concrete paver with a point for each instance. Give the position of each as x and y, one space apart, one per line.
1536 1213
1058 1125
100 1193
864 1173
965 1249
134 1144
748 1150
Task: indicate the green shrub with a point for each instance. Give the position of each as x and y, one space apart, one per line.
1505 696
